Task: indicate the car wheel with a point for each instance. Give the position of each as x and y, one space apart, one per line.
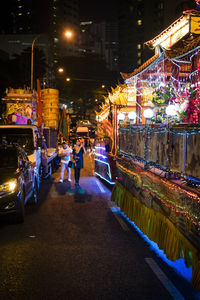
20 214
34 196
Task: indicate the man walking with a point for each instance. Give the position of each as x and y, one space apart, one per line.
65 153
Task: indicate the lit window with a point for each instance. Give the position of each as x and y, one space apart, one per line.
139 46
20 14
139 22
139 62
139 54
20 6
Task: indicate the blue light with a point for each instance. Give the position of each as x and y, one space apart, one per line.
178 266
100 155
193 179
102 148
105 163
110 182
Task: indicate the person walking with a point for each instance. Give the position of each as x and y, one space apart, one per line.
78 151
65 154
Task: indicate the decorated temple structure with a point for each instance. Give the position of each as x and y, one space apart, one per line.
153 121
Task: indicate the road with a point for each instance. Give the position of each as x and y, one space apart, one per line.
75 245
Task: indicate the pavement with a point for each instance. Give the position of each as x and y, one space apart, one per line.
75 245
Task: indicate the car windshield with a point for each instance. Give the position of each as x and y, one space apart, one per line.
22 136
8 158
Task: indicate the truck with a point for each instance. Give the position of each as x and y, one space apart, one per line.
28 116
30 139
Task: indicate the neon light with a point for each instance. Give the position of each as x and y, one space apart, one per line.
109 172
111 182
105 163
179 265
102 148
101 155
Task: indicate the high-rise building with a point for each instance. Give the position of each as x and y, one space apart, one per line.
140 21
50 18
100 38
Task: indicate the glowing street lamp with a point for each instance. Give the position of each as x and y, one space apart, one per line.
60 70
68 79
68 34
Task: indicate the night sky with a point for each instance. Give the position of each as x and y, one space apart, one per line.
98 10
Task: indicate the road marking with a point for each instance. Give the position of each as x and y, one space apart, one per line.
100 186
164 279
116 213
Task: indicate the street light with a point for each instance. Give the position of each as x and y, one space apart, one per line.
68 34
60 70
32 60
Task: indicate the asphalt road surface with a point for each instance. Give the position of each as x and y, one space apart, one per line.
75 245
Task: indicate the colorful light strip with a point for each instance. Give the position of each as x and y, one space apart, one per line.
109 171
98 147
101 155
110 182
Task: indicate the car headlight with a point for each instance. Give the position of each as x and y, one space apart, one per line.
9 186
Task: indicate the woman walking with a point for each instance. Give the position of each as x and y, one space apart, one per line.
65 153
78 151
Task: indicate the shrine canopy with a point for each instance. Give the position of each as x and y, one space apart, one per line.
171 76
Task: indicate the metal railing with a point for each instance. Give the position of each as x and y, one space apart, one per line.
174 148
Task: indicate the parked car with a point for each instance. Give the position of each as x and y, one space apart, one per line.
18 182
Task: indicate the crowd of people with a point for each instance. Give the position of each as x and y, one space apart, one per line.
71 157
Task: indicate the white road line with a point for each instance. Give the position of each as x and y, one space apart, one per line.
164 279
100 186
116 214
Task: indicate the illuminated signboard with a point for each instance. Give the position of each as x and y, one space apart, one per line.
195 25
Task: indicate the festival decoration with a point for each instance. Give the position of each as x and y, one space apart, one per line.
159 229
193 109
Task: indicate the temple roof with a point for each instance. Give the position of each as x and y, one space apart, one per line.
185 17
182 47
141 68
